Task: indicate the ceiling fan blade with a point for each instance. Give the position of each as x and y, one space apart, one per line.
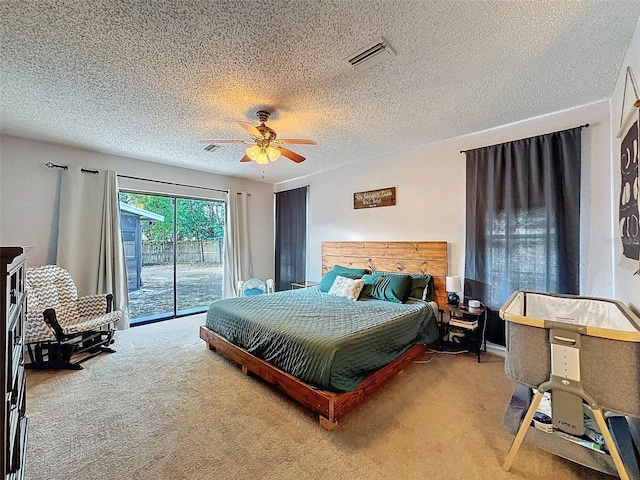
292 155
215 142
245 159
251 128
296 141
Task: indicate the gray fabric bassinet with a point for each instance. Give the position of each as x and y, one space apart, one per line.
581 349
609 351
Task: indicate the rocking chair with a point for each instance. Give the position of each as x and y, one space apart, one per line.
60 327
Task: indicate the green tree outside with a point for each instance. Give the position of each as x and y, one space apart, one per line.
198 220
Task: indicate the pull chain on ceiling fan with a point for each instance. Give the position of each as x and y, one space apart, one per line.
266 147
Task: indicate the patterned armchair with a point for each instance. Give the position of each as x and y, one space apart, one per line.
60 326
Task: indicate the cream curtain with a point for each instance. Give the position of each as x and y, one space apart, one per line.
90 244
238 264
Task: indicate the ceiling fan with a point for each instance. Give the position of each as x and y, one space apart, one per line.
266 147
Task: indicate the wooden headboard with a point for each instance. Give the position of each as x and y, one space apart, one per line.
400 257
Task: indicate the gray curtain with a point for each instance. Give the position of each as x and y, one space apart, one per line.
237 263
90 244
291 237
523 220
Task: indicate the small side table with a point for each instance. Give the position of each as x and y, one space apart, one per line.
303 284
467 320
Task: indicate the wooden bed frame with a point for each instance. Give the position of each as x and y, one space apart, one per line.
401 257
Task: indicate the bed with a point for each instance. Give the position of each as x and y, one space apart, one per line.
333 365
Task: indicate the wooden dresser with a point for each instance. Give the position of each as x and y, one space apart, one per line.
14 303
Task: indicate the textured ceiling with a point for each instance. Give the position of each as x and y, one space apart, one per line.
149 79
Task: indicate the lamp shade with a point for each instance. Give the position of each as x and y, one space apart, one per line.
262 158
263 154
453 284
253 152
273 153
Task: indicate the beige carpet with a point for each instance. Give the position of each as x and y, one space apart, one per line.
165 407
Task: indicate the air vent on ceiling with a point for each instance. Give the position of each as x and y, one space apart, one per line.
211 147
371 55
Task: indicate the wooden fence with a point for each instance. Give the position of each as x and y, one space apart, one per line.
190 252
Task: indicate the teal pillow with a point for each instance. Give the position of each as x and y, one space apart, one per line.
330 276
369 282
391 287
357 271
419 283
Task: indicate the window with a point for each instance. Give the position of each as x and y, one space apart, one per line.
518 245
523 220
174 250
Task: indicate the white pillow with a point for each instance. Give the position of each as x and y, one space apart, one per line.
346 288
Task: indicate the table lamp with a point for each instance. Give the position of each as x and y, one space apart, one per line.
453 285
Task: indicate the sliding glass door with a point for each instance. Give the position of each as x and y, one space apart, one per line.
199 253
174 253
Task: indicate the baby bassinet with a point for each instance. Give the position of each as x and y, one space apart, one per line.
582 350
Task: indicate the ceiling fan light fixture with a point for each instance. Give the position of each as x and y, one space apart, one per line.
263 158
263 155
273 153
253 152
265 145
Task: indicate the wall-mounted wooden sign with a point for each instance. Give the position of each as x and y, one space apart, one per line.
375 198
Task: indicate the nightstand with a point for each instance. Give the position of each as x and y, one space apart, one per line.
303 284
467 321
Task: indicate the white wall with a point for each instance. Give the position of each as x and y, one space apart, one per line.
29 195
627 285
430 183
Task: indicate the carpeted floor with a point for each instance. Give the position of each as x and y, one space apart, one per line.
165 407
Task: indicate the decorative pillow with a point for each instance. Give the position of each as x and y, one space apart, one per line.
330 276
391 287
421 286
346 287
429 290
369 281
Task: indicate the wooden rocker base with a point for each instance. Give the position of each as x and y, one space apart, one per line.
330 406
58 355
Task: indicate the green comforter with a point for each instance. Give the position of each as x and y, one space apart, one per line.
329 342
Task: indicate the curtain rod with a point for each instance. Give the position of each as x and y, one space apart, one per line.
173 183
581 127
96 172
53 165
66 167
